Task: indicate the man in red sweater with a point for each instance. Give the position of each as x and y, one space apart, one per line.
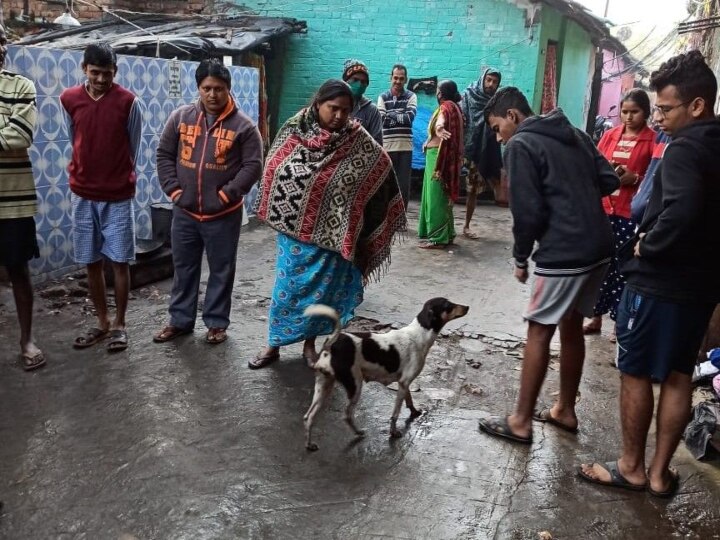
105 125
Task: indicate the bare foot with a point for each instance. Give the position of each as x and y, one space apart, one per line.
30 349
593 327
598 471
519 428
561 418
310 354
467 233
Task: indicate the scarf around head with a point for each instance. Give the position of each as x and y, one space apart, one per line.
450 155
474 101
336 190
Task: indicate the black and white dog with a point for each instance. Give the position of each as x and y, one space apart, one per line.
396 356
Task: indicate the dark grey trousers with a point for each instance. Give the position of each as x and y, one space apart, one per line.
219 240
402 163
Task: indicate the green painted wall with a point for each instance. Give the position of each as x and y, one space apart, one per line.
574 65
451 39
575 78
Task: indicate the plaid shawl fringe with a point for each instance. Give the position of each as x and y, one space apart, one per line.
336 190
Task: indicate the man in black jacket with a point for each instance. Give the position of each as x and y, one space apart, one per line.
673 280
557 181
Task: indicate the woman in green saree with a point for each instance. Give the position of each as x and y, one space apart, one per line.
443 160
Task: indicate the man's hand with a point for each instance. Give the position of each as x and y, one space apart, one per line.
636 251
521 274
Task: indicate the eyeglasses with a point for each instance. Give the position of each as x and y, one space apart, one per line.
663 110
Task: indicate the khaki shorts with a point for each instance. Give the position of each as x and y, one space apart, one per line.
555 297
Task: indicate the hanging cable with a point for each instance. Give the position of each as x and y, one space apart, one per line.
126 21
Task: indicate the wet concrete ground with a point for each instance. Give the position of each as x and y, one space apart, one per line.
181 440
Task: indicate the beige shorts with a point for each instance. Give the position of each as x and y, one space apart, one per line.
555 297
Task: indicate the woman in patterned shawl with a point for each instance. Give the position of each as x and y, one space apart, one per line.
443 160
330 192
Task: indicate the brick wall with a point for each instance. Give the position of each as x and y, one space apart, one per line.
451 39
52 9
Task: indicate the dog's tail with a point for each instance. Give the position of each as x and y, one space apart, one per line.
320 310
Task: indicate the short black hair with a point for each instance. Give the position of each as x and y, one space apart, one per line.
692 77
505 99
100 54
448 89
640 97
398 66
212 67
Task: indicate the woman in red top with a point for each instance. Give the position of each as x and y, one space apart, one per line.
629 148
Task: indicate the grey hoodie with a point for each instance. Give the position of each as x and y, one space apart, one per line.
367 113
557 180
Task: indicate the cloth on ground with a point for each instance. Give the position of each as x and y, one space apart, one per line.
703 429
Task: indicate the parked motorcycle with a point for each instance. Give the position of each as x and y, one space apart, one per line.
602 124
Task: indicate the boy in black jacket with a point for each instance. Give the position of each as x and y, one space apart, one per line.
557 181
673 279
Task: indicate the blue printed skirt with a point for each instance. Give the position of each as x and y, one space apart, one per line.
305 275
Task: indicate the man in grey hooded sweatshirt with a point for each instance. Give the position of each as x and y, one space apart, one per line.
482 152
356 74
557 180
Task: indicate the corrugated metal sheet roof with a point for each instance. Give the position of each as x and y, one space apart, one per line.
182 37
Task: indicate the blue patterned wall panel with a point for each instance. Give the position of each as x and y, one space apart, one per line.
53 70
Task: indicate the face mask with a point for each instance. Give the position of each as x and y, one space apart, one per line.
358 88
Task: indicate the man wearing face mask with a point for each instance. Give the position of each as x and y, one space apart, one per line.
356 74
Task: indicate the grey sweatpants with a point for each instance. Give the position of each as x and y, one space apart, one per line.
219 239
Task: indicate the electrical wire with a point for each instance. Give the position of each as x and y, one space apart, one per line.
145 30
643 40
659 50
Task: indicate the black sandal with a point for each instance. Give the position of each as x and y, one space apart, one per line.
118 341
263 360
90 337
499 427
616 478
32 362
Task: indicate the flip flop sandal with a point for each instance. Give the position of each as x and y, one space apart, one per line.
32 362
262 360
616 479
431 245
171 332
498 427
215 336
672 488
118 341
90 338
543 415
471 235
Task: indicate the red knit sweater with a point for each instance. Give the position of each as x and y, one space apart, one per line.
102 167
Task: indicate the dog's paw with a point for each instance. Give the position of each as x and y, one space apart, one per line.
312 447
395 433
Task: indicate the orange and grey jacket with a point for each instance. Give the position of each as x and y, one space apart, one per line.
207 171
